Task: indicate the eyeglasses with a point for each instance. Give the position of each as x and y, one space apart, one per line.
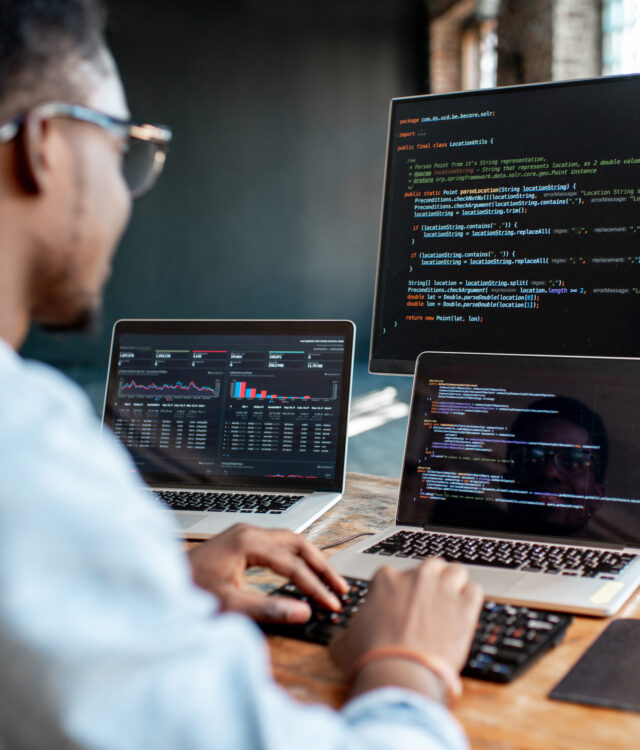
145 146
571 460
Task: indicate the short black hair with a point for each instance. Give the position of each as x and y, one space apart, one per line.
573 411
37 39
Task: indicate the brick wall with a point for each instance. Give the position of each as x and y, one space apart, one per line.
525 41
538 40
577 48
543 40
445 47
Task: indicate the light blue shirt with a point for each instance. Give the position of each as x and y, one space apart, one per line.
105 642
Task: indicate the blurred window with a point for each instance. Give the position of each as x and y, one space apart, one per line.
620 36
488 54
480 55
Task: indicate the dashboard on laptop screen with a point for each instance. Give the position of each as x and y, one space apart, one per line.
543 446
232 403
508 212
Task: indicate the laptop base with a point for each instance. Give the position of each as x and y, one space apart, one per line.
201 525
586 596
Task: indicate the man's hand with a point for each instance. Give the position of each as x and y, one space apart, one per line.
219 564
432 608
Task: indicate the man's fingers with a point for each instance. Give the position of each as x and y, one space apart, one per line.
294 557
265 608
433 566
313 557
455 577
291 565
472 594
318 562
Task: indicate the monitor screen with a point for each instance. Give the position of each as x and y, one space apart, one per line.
232 403
511 223
531 445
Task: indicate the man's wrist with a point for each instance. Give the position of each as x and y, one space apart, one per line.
400 673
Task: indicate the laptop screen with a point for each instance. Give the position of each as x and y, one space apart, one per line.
533 445
232 403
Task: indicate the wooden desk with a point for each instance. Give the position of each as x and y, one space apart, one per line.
496 717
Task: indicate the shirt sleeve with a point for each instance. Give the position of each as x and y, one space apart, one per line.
105 643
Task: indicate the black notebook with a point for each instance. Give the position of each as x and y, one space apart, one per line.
608 673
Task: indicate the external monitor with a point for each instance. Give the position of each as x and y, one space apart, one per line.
511 223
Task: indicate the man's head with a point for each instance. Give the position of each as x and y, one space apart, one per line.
47 48
64 202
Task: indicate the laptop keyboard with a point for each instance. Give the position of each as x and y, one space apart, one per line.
506 642
500 553
227 502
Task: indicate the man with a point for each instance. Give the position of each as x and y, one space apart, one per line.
105 640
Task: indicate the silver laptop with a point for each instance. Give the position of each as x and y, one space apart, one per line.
234 420
525 469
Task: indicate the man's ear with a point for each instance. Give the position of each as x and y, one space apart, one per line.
36 155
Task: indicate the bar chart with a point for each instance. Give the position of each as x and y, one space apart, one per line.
240 389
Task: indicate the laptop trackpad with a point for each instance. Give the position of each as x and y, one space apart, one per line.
187 520
557 589
494 582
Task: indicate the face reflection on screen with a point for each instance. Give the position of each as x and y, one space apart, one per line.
561 460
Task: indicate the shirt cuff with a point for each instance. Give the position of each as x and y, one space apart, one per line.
392 705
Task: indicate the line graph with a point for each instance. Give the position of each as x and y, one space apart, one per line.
191 388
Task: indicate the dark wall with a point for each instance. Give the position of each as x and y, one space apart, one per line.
270 203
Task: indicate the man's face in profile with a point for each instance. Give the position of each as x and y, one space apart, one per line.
85 211
555 466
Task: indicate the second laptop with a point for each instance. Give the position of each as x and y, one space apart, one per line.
234 420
